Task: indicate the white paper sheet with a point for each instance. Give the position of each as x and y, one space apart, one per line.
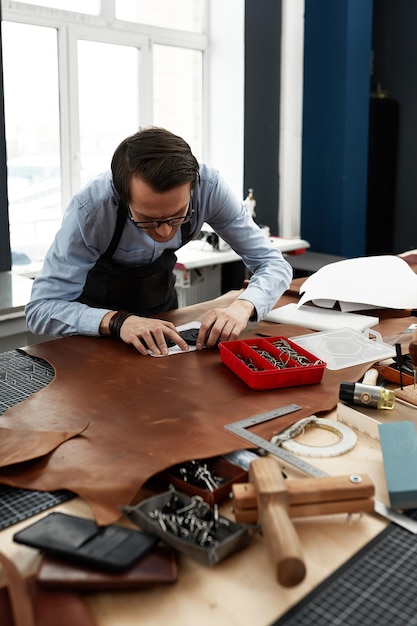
319 318
362 283
175 349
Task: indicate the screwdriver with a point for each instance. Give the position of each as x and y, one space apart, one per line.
412 348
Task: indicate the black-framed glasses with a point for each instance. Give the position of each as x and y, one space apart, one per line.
173 222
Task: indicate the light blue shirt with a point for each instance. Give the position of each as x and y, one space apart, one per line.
86 231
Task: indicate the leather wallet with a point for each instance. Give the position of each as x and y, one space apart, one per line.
157 567
111 548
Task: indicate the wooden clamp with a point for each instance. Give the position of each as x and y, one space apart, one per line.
310 496
275 500
277 528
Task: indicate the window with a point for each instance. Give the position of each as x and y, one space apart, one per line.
80 6
178 92
86 81
180 14
32 137
108 96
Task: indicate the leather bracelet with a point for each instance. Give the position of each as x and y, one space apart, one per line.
116 322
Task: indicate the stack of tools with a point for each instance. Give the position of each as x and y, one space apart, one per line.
272 501
412 348
408 377
403 371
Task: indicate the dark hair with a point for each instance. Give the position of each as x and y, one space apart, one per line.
162 159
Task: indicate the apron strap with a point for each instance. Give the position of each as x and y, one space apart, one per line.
20 600
120 224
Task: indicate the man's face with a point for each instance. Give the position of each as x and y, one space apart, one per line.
146 205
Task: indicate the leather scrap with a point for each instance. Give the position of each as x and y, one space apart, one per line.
23 603
17 446
19 597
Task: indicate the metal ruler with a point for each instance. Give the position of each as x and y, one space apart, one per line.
240 429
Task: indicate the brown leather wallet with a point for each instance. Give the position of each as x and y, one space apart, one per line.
157 567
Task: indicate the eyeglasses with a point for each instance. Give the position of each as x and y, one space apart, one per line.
173 222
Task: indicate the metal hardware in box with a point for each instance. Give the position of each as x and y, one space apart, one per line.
201 535
271 362
225 472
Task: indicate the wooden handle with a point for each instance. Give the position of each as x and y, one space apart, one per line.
278 530
311 490
370 377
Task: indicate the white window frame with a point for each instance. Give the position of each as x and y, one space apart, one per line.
72 27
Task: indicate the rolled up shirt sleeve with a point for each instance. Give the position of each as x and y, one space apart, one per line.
77 246
271 273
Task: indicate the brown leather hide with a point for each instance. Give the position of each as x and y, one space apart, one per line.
145 414
23 445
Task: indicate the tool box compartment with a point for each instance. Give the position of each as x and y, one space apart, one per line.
198 533
271 362
227 472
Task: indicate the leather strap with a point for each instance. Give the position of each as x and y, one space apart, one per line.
28 605
19 596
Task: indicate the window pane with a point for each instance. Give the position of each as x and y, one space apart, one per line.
92 7
180 14
32 136
178 104
108 102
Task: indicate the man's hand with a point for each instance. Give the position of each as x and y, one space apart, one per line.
224 324
146 333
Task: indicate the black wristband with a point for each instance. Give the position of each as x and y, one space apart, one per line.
116 321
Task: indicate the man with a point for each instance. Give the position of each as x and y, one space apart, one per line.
111 265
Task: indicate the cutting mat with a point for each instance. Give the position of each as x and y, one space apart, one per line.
20 377
376 587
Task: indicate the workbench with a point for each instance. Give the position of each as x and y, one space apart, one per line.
242 590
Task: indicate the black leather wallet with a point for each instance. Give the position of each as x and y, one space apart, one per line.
111 548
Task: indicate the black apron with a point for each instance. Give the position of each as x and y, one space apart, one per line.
142 289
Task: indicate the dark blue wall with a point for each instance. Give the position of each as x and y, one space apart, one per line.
337 58
262 106
5 257
395 61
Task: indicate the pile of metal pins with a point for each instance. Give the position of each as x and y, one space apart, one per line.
196 522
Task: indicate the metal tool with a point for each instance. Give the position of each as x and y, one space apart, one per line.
412 348
399 362
239 428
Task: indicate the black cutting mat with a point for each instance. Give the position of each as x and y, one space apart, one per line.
376 587
21 376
